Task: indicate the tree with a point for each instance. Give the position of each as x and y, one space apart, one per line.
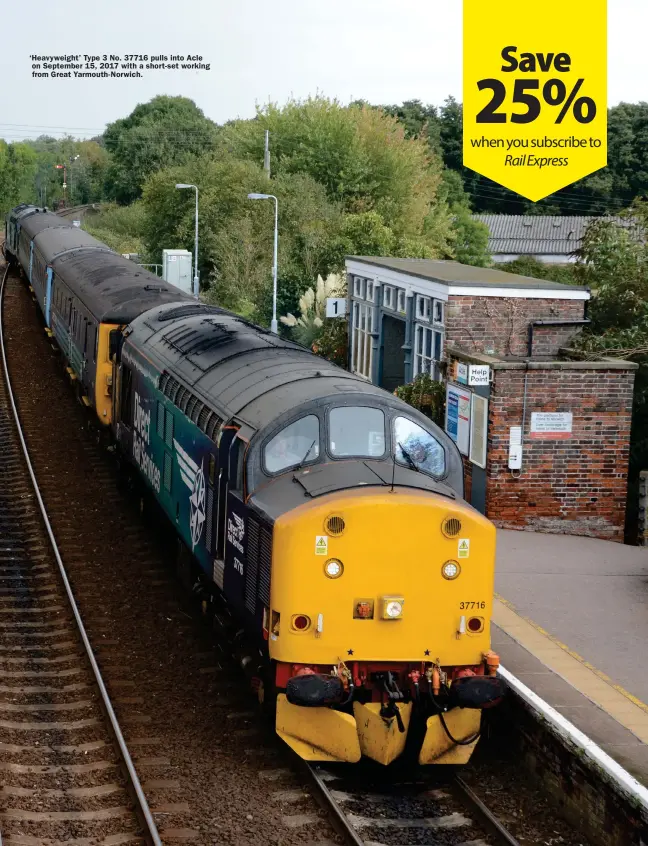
530 266
360 155
159 134
614 263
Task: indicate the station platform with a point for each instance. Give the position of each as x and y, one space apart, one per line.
571 622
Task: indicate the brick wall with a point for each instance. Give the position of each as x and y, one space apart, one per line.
501 324
575 486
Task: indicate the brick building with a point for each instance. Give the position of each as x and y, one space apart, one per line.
403 313
545 436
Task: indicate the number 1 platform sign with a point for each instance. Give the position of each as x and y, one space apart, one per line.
535 92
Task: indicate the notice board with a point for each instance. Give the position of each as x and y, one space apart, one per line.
458 403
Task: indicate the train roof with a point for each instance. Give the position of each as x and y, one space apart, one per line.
35 220
240 369
56 240
113 288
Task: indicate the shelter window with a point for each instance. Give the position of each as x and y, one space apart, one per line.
401 302
296 444
416 448
428 346
357 431
362 350
388 297
358 287
423 308
371 291
438 311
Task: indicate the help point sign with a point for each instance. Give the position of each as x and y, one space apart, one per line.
535 92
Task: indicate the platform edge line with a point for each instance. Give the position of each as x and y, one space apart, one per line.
629 784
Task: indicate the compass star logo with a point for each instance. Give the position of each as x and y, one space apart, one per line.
197 503
194 478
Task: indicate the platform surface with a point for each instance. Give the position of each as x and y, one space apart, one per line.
571 621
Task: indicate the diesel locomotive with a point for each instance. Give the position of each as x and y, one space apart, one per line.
326 513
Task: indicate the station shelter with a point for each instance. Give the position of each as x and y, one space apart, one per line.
544 434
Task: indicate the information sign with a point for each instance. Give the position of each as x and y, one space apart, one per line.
478 374
478 430
551 426
458 416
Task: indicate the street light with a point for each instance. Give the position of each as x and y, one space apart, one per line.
273 325
196 288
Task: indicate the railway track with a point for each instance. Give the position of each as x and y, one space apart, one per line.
375 809
65 770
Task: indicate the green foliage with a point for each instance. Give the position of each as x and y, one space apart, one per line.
426 395
614 263
307 327
18 166
159 134
530 266
359 154
122 228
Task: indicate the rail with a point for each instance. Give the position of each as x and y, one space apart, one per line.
346 825
142 810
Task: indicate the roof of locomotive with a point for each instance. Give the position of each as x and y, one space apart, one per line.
34 220
240 369
56 240
113 288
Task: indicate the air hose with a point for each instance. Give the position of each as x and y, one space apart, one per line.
454 739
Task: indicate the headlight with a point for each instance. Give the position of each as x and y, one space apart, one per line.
392 607
333 568
450 570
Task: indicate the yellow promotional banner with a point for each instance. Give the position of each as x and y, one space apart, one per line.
535 92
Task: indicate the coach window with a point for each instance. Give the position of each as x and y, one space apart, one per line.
357 431
297 444
416 448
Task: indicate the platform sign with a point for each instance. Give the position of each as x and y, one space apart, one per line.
457 426
461 373
478 374
535 92
336 306
551 426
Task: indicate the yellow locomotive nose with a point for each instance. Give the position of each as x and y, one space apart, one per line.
400 586
398 579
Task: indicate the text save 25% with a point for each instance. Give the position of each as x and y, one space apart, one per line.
554 93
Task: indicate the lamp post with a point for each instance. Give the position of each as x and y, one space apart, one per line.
273 325
195 280
63 167
72 160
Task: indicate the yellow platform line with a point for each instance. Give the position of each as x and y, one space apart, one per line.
627 709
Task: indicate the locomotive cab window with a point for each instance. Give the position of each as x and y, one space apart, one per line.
297 443
357 431
416 448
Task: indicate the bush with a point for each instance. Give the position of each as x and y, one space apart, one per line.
426 395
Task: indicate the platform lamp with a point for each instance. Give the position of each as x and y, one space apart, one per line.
196 286
273 326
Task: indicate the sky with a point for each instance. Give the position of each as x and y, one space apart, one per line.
383 51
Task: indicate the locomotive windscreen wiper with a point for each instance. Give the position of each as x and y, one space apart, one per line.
409 458
308 451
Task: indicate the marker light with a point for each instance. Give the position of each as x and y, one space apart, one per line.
301 622
450 570
333 568
392 607
475 624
